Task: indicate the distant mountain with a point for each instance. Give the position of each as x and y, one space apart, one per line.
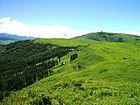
8 38
14 37
109 37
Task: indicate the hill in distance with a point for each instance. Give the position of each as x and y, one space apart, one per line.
9 38
110 37
97 68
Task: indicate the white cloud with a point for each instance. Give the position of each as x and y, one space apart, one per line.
14 26
130 32
108 29
7 25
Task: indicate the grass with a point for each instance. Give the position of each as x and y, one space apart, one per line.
62 42
109 75
109 37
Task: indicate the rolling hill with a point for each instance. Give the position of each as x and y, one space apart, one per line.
105 71
110 37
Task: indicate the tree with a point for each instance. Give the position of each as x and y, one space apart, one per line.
120 40
73 57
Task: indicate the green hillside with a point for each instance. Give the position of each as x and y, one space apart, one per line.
102 73
24 62
110 37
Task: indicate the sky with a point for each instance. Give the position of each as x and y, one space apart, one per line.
68 18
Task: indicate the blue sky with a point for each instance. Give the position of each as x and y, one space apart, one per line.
76 15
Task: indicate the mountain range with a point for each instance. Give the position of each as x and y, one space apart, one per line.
8 38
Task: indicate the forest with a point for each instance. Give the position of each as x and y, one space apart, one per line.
24 62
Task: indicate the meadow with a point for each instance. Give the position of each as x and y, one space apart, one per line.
104 73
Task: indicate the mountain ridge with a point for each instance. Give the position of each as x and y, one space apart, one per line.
10 38
109 37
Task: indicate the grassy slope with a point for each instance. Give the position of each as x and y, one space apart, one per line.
110 75
110 37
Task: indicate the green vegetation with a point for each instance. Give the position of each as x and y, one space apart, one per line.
24 62
110 37
90 73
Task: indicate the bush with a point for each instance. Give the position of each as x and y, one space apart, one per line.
44 100
73 57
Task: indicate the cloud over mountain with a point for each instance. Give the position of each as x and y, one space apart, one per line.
15 26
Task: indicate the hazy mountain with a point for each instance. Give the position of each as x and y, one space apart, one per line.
6 36
9 38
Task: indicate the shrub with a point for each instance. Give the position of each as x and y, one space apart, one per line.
73 57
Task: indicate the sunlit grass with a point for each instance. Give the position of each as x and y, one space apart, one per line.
110 75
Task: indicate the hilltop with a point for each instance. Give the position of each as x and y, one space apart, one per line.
84 70
110 37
